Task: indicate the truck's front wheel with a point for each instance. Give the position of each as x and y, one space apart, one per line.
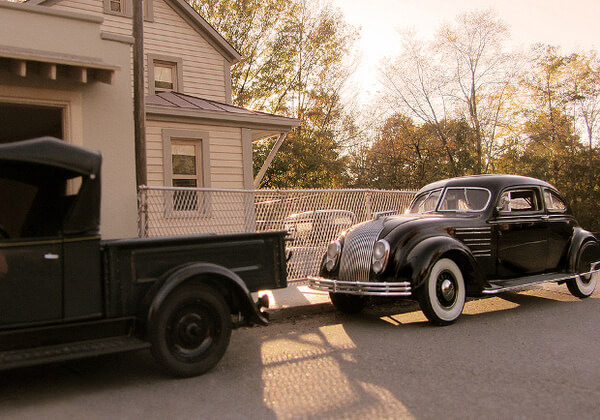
191 331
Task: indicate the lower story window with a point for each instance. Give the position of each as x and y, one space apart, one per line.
186 166
186 172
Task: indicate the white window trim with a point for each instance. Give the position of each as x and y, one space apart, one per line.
197 137
178 62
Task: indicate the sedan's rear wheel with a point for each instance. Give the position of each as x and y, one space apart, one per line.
584 286
443 295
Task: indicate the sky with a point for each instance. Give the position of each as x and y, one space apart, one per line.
570 24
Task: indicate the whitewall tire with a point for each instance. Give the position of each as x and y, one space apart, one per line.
442 297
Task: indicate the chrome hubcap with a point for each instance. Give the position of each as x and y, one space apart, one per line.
447 289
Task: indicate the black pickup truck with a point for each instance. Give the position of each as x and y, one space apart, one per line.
65 293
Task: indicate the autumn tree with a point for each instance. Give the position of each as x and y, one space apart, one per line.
296 59
465 72
549 146
406 155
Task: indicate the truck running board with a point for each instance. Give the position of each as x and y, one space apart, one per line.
61 352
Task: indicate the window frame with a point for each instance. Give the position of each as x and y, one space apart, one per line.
554 193
177 65
202 142
537 195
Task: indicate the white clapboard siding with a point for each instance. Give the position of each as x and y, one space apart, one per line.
168 35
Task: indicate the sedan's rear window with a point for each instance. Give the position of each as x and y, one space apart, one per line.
465 199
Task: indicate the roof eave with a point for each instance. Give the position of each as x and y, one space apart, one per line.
264 122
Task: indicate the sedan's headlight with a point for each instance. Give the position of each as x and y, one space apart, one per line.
334 250
381 254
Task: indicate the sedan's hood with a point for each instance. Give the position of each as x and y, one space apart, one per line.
423 220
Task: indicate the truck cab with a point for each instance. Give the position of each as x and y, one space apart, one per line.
49 233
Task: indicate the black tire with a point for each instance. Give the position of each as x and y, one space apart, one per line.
191 330
348 304
584 286
442 297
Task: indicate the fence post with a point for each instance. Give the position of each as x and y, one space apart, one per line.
142 212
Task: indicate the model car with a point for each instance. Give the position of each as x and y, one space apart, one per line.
460 237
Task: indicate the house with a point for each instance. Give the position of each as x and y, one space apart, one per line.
194 136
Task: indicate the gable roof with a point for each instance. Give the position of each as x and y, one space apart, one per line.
189 14
174 105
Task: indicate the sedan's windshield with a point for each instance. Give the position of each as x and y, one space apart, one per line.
465 199
453 199
425 202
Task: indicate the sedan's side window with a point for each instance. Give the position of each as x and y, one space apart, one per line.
522 200
554 202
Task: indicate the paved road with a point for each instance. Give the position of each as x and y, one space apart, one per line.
528 355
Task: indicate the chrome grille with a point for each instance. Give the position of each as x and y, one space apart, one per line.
355 264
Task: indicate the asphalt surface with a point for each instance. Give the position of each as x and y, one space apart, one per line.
530 355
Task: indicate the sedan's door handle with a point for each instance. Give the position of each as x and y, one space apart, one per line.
50 256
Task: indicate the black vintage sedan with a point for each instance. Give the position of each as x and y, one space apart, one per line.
468 236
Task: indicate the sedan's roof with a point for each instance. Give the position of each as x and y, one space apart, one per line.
491 182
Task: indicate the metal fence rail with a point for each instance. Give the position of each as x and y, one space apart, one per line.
313 218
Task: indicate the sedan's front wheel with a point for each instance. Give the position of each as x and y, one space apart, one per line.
443 295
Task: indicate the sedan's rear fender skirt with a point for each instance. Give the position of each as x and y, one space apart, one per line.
216 276
422 257
580 236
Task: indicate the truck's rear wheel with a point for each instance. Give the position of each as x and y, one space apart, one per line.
191 331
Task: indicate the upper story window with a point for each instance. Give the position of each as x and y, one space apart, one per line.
165 74
117 6
125 8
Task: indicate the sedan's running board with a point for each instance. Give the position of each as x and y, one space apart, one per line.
500 286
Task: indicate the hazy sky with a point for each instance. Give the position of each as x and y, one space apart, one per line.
573 24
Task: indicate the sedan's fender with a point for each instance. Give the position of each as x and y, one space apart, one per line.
423 255
220 278
580 236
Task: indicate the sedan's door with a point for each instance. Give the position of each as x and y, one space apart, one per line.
522 233
31 284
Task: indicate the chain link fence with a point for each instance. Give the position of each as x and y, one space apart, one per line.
312 218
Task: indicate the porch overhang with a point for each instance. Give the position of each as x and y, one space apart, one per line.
24 62
177 107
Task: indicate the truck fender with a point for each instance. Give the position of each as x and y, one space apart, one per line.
225 277
423 255
580 236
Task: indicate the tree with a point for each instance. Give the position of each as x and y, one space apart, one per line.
296 57
408 156
549 146
464 72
